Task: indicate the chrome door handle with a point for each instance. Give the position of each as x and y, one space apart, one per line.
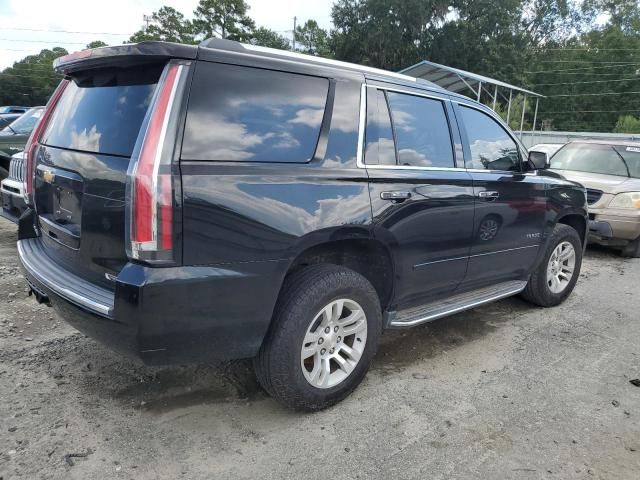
489 195
395 196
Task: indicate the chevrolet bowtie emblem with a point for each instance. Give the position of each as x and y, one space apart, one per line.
48 176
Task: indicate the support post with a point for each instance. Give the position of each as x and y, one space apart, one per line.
295 19
535 115
524 107
495 97
479 90
509 106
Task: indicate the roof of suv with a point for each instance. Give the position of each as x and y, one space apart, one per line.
154 50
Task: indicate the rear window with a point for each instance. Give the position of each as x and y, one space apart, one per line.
252 114
592 158
102 113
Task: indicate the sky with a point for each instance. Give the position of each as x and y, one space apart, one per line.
28 26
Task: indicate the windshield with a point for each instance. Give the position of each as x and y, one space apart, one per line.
26 123
603 159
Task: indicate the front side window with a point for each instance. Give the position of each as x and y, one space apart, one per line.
594 158
422 131
252 114
491 146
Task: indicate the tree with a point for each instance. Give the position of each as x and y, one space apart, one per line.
391 34
168 25
32 80
223 18
96 44
268 38
312 39
627 124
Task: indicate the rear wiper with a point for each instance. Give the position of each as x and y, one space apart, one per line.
14 132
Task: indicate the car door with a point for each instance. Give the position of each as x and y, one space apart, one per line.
510 204
422 204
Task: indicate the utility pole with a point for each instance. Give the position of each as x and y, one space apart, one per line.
294 32
147 20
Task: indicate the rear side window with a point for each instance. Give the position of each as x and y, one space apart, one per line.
252 114
422 131
102 113
491 146
380 149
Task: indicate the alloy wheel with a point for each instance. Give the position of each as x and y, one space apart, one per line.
334 343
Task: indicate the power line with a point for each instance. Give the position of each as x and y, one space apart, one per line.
619 62
589 111
64 31
592 81
590 94
628 64
589 49
41 41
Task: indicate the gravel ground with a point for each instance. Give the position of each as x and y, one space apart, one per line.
503 391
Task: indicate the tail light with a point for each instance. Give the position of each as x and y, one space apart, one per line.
150 183
34 138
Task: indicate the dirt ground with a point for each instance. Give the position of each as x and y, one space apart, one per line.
504 391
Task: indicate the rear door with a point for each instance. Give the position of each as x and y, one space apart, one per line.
81 168
510 204
422 203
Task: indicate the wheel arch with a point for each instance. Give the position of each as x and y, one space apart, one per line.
365 255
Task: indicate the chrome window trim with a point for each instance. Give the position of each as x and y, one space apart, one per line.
362 126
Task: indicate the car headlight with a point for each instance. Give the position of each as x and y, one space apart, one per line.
626 200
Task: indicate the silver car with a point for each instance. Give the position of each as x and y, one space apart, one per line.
610 171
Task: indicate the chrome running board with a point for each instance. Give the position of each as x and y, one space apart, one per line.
454 304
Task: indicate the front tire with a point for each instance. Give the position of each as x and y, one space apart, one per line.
556 276
632 250
323 336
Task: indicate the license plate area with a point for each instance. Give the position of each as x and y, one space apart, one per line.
59 204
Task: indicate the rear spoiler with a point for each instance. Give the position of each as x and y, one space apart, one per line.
123 55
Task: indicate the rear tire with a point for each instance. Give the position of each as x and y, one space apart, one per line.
548 285
306 322
632 250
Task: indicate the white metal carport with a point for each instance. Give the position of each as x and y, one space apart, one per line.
461 81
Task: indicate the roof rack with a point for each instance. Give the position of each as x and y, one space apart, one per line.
223 44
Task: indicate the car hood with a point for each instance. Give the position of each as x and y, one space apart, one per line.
606 183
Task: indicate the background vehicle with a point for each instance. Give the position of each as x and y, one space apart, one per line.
13 109
12 189
228 201
14 137
611 172
7 118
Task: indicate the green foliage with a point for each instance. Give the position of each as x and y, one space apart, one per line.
31 80
627 124
391 34
223 18
553 47
96 44
515 114
168 25
313 40
268 38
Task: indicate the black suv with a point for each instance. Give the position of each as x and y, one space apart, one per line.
226 201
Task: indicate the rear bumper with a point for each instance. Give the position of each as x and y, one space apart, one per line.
164 315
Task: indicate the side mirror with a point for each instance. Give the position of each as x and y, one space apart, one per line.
538 160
